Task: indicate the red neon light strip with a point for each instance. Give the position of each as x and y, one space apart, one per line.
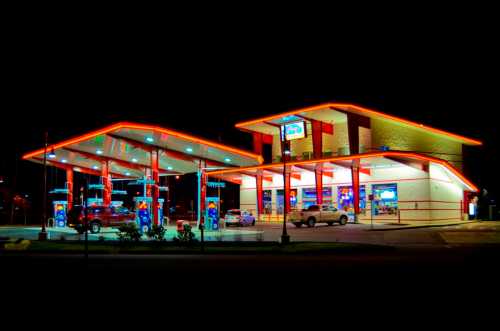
127 125
362 110
357 157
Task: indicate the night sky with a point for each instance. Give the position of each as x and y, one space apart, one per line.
71 81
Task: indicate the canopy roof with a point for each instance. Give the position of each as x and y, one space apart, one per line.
364 161
128 145
335 112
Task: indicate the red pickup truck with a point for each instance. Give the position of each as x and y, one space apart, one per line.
99 216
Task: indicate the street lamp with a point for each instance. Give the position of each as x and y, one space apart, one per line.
285 238
42 235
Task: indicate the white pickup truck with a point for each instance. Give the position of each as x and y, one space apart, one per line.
318 214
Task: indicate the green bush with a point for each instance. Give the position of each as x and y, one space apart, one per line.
185 237
128 232
157 233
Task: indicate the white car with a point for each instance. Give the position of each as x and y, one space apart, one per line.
239 218
318 214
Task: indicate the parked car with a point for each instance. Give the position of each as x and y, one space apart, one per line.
98 217
318 214
239 218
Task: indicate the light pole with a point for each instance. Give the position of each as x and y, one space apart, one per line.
285 238
42 235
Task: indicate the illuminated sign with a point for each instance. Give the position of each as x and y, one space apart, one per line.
216 184
389 195
291 131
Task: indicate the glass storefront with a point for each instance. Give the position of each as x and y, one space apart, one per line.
309 196
385 199
267 197
345 199
280 199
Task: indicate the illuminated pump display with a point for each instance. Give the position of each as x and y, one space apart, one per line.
59 207
60 212
212 213
144 206
144 212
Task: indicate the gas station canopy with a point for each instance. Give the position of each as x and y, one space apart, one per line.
127 146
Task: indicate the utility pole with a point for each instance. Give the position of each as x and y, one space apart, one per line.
285 238
42 235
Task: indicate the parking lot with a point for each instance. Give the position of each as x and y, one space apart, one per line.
469 233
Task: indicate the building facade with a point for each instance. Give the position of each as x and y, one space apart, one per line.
371 164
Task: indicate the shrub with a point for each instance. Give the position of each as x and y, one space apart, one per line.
185 237
157 232
128 232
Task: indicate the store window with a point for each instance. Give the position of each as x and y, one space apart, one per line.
385 199
346 199
309 196
280 199
267 196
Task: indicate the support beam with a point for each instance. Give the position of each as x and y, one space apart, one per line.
106 181
202 189
277 172
287 185
355 187
69 186
347 165
156 192
419 165
353 133
100 158
258 185
84 170
318 175
227 179
317 137
170 153
325 127
257 143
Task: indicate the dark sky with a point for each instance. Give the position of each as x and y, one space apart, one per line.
69 78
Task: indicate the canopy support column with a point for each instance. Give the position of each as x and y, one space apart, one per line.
355 188
155 165
106 181
69 187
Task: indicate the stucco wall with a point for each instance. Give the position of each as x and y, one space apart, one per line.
446 195
399 137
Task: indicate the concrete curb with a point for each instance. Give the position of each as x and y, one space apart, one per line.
420 226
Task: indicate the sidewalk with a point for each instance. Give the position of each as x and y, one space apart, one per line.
389 225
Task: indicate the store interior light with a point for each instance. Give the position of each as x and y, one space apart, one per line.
189 150
149 139
64 161
287 152
169 168
95 167
99 152
227 159
134 160
127 174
